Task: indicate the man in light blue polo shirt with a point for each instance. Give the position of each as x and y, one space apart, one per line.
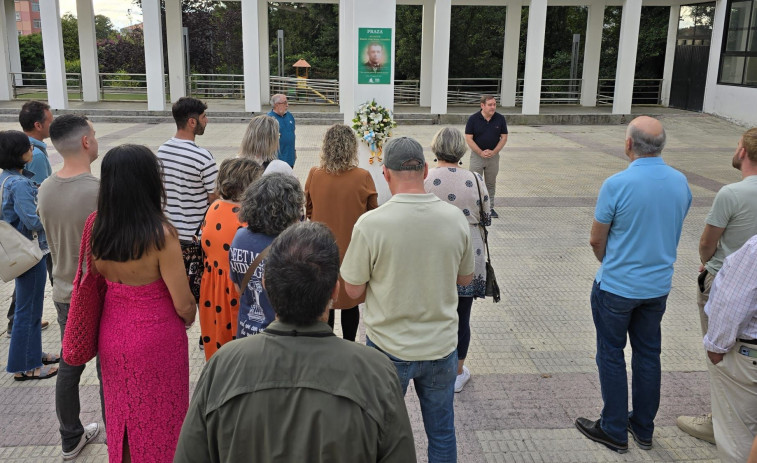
636 229
280 112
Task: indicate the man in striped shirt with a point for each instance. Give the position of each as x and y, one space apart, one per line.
189 171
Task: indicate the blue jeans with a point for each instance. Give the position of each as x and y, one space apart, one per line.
435 385
614 317
25 352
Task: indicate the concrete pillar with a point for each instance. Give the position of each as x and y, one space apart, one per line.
347 52
537 20
440 63
427 52
510 55
156 89
592 48
670 53
90 80
6 89
177 79
265 65
52 47
12 34
627 46
251 55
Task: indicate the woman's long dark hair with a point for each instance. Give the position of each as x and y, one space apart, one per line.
130 217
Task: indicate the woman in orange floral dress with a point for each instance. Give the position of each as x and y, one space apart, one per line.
219 300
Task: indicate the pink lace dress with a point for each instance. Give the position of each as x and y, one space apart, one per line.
145 371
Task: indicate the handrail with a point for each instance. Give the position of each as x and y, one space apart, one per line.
34 83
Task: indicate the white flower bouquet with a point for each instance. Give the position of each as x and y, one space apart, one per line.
373 125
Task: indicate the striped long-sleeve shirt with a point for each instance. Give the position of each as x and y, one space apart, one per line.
189 173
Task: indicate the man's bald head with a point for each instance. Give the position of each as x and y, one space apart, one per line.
646 135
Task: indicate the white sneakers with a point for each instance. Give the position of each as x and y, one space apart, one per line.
90 432
697 426
462 379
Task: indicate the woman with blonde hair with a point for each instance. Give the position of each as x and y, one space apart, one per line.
219 299
460 187
261 144
337 193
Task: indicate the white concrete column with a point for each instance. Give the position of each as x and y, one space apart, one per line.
427 52
12 34
347 51
156 89
592 48
716 42
670 53
90 81
251 55
265 65
440 63
52 47
510 55
627 46
177 79
6 89
537 20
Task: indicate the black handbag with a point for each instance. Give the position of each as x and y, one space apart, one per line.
194 261
492 288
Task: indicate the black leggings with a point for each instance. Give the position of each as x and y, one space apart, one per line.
350 321
464 305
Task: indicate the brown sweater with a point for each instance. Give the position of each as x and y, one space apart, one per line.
338 200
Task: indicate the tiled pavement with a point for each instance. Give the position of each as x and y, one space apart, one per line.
531 355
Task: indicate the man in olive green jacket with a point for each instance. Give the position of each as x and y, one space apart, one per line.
296 392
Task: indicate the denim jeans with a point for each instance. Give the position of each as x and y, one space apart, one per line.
12 309
25 352
434 382
614 317
67 403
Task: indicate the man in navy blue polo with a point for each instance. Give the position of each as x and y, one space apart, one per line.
636 229
486 135
280 112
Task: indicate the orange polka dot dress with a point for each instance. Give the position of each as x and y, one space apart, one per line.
219 300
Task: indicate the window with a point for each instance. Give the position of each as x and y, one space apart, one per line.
738 56
35 6
37 24
18 16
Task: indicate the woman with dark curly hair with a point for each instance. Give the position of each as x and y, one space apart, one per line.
337 193
270 205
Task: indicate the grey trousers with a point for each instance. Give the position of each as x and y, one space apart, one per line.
488 168
67 403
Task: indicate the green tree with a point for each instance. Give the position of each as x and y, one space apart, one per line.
70 33
104 28
32 56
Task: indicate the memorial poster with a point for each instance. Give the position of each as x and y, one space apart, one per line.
374 55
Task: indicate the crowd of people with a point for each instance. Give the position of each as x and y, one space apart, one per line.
280 258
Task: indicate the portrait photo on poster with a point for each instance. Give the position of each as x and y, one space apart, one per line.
374 55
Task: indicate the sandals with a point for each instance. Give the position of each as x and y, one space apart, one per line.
50 359
44 373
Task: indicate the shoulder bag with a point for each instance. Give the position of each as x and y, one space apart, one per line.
194 260
17 253
492 288
87 300
251 269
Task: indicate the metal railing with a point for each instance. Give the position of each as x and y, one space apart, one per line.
554 91
33 85
407 92
645 91
310 91
216 85
469 91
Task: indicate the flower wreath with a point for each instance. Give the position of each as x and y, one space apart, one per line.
373 124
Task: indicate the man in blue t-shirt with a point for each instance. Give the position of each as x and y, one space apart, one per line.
636 229
486 135
280 112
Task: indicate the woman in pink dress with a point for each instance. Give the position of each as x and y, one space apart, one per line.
148 306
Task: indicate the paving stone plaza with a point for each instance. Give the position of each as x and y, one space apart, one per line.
531 355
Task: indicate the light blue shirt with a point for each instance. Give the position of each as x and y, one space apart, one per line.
40 164
645 206
286 152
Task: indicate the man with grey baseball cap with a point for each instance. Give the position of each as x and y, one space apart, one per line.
408 255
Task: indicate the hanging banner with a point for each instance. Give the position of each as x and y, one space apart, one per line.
374 55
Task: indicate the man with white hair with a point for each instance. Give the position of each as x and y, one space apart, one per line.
636 229
280 112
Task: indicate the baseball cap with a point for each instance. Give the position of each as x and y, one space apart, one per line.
403 153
